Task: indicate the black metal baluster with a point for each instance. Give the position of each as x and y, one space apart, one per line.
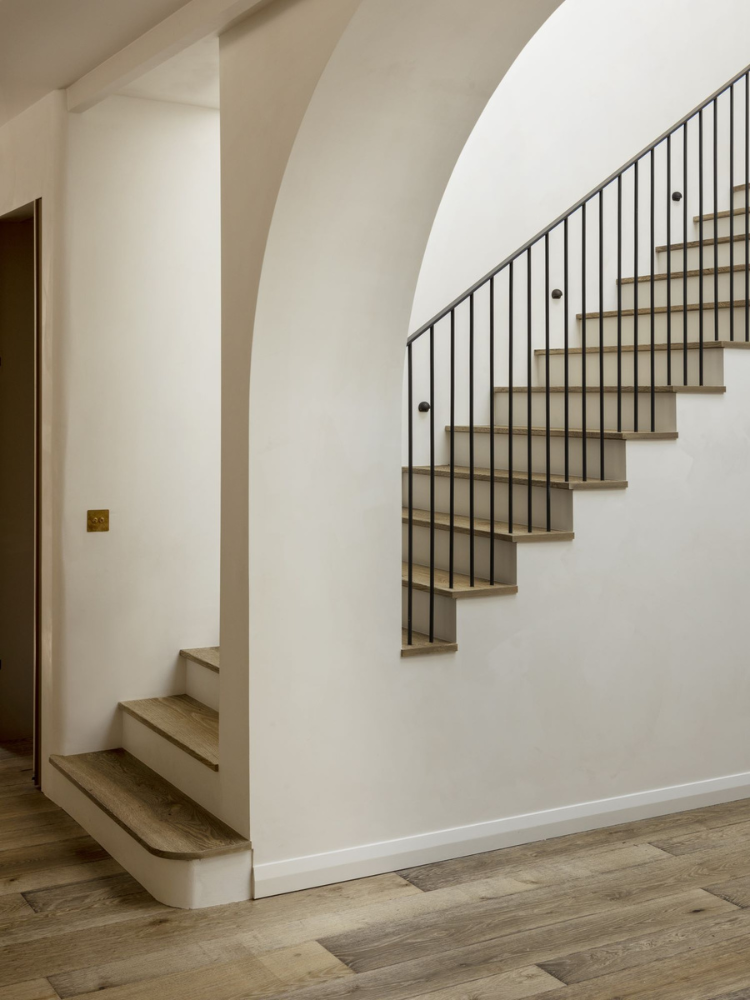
471 440
635 298
432 484
700 246
601 334
669 260
528 390
584 456
619 302
452 486
410 523
731 216
566 322
653 348
546 382
716 219
510 399
685 253
492 430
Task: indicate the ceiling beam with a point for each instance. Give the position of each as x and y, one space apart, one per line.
196 20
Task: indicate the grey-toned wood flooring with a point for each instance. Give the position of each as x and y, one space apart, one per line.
657 910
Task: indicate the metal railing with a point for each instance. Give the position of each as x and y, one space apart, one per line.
509 316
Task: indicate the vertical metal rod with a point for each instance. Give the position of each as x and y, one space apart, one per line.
716 218
548 445
685 253
471 439
601 334
529 495
651 253
584 455
432 484
510 400
619 302
492 430
566 322
410 523
731 217
635 296
700 248
452 481
669 260
747 207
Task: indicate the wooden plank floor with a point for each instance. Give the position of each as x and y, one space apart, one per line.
658 909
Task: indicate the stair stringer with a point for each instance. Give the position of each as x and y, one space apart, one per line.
612 640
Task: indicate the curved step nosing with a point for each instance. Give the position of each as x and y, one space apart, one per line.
151 848
131 708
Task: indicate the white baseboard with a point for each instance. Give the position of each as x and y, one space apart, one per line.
276 877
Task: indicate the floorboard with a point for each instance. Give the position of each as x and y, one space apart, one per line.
658 910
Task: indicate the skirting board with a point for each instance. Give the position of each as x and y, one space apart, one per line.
277 877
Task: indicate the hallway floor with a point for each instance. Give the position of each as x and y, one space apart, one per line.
658 909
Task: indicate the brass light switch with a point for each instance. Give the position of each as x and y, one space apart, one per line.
97 520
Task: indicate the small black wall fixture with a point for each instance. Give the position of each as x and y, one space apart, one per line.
557 293
677 196
424 407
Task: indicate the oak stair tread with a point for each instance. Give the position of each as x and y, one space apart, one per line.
206 656
692 244
557 482
484 529
189 724
724 214
461 584
573 432
696 389
678 344
421 645
160 817
691 307
692 273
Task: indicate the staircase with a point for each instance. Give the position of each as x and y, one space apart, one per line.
153 802
553 383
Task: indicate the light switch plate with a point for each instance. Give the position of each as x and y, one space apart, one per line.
97 520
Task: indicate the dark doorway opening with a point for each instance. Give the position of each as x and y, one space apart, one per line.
19 479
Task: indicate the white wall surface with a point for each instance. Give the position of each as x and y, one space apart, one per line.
140 395
597 83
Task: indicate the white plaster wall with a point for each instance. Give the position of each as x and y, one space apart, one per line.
140 425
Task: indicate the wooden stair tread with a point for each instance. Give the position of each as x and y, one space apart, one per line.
677 345
557 482
156 814
483 528
206 656
724 214
573 432
693 273
461 584
646 310
692 244
697 389
421 644
190 725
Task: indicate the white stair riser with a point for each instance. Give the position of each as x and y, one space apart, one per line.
661 327
724 256
561 501
728 290
713 368
665 410
445 614
172 763
202 684
739 198
722 227
505 553
614 454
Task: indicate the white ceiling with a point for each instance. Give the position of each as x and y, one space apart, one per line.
191 77
49 44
